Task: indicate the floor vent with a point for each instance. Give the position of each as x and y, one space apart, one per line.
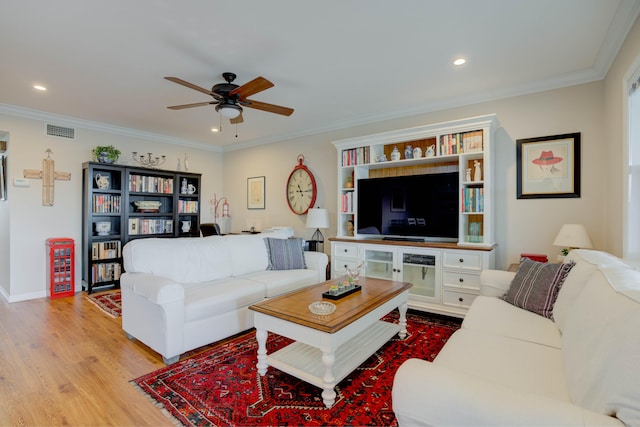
60 131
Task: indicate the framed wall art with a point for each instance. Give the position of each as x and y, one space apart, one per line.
548 167
255 192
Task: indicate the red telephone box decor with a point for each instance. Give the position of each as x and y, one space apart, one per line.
61 278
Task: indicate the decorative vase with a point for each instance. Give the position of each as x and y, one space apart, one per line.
431 151
102 181
408 152
395 154
103 228
104 158
417 153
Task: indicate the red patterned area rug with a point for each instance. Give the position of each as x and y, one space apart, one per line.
110 302
221 386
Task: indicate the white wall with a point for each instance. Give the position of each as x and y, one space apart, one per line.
28 224
522 225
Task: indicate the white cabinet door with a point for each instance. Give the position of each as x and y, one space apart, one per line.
422 268
417 266
379 262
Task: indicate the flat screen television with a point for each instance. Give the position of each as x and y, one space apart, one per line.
416 207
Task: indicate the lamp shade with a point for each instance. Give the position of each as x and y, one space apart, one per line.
573 236
317 218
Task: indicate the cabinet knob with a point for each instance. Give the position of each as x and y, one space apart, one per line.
346 250
345 266
461 260
461 299
461 280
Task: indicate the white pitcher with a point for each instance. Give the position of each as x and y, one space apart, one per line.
102 181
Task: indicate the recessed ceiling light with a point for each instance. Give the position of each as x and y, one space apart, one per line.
459 61
215 130
39 87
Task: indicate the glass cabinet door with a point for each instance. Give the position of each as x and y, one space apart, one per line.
378 264
420 269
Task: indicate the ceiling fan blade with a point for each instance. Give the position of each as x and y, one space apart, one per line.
251 88
237 120
197 104
189 85
277 109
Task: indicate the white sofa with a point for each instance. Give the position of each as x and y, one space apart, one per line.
511 367
180 294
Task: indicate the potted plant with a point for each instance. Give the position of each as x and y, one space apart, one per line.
106 154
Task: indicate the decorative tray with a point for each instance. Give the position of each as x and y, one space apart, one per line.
335 294
322 308
147 206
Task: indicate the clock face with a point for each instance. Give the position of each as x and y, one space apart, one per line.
301 190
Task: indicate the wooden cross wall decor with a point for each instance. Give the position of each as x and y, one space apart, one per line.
48 176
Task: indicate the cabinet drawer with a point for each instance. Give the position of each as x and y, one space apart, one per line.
339 265
346 250
458 299
466 260
461 280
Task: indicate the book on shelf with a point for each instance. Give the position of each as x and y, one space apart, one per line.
150 226
472 141
106 250
472 199
150 184
187 206
106 203
105 272
356 156
347 202
458 143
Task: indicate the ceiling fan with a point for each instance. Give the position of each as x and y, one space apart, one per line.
229 98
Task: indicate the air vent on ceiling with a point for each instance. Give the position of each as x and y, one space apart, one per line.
60 131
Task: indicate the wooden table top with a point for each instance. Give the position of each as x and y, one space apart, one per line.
293 306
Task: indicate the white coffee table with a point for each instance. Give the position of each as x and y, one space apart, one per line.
328 348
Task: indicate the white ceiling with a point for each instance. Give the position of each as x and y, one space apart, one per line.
338 63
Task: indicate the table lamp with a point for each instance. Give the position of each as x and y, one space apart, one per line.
572 236
317 218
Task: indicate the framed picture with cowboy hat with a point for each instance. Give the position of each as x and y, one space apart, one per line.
548 166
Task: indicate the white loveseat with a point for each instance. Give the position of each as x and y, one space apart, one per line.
508 366
180 294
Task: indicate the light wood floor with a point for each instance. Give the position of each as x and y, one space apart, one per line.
64 362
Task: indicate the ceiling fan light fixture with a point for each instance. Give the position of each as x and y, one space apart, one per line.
230 111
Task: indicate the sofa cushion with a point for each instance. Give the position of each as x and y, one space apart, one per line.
535 286
277 282
493 315
285 254
211 299
513 363
247 253
571 288
587 261
184 260
601 345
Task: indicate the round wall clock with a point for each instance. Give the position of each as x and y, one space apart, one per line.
301 188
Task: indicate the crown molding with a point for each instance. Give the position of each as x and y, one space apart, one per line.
57 119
